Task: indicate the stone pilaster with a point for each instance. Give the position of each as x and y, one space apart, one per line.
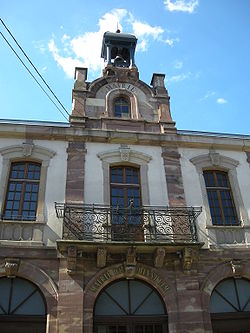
70 300
172 166
75 172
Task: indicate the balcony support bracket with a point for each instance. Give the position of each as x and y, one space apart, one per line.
159 257
101 258
71 259
190 255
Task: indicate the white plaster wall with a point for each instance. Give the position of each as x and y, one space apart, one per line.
6 143
55 188
192 185
94 173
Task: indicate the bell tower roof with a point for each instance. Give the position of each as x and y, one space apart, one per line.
118 49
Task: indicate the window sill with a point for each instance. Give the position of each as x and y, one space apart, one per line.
21 243
21 221
240 226
229 236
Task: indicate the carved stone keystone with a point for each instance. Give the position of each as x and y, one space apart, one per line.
236 268
11 267
130 264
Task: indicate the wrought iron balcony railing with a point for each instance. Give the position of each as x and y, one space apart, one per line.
142 224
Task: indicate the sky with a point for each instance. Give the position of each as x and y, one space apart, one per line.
202 46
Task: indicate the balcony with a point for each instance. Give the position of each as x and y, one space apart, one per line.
106 224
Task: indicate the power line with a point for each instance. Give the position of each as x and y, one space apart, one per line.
26 56
32 75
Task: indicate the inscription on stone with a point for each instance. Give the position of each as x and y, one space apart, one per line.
105 277
140 270
118 85
153 276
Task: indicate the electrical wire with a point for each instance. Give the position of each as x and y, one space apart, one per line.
32 75
26 56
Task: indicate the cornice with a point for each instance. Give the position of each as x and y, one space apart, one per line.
59 133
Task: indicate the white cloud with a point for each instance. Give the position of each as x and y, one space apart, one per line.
141 29
181 5
221 100
171 41
178 78
65 37
142 46
144 32
40 45
208 95
84 50
68 64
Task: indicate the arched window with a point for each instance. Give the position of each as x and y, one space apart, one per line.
22 192
121 107
129 306
22 307
230 306
220 198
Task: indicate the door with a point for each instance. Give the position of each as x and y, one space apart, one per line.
125 200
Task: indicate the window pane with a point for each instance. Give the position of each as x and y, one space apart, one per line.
117 175
19 190
220 200
121 107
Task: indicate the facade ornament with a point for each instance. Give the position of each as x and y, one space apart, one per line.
159 257
101 257
237 268
27 148
130 264
190 255
214 157
11 267
125 153
71 259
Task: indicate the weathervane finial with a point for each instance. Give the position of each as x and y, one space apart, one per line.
117 28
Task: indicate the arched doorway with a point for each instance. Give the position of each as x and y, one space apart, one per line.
130 306
230 306
22 307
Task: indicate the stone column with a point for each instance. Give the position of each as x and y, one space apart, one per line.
172 166
75 172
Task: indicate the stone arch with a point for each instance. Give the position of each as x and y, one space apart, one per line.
144 273
120 92
43 281
234 268
98 83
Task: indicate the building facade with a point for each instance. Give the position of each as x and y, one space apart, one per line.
117 222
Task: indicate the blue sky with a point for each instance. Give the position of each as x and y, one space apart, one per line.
201 45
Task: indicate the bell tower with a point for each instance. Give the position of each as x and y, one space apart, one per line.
118 49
